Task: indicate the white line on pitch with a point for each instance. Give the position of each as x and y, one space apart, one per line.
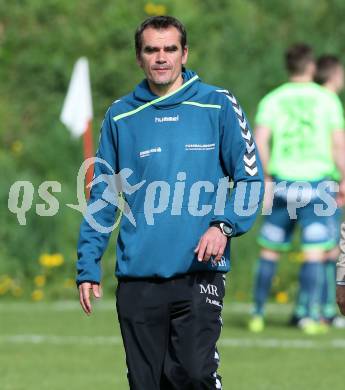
224 342
108 305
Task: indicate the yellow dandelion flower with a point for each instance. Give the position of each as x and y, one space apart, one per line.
57 259
5 284
5 279
299 257
17 147
155 9
282 297
3 290
37 295
44 260
161 9
53 260
149 8
40 280
296 257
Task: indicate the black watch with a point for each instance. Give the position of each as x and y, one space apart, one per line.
224 228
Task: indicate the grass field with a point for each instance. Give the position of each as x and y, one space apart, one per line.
54 346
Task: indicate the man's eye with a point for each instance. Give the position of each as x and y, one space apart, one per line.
171 49
149 50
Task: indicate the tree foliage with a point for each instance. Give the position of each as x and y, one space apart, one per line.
236 44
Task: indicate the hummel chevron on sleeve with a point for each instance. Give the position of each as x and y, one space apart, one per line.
242 163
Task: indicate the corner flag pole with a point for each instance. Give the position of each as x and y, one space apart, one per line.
88 153
77 111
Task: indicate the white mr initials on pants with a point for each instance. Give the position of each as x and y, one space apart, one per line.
210 289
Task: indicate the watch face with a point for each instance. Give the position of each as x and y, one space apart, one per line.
226 229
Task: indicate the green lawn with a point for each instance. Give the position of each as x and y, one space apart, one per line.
54 346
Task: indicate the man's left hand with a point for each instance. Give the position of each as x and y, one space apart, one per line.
341 194
212 243
341 299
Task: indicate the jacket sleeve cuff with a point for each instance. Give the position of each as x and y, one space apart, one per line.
340 274
79 282
224 220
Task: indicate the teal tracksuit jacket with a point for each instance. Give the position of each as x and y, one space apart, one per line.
171 157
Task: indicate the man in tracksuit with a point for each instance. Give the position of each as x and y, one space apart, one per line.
170 147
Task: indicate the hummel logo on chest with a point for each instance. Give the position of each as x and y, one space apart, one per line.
163 119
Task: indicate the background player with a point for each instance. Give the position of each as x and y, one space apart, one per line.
329 74
293 132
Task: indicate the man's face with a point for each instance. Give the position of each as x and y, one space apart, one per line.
311 69
162 56
338 78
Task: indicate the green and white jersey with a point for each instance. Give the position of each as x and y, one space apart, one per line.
301 117
340 112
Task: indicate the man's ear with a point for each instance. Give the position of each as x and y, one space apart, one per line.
139 61
185 55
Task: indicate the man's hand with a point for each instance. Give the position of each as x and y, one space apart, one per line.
269 193
341 194
84 295
341 299
212 243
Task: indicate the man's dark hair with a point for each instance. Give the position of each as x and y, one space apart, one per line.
158 22
325 66
297 57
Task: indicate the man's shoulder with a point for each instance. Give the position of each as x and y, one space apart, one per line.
214 93
276 93
330 96
121 105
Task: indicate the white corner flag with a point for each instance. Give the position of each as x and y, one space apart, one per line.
77 112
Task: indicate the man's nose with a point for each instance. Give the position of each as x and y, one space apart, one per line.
161 57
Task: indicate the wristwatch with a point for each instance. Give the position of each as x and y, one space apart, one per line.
224 228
